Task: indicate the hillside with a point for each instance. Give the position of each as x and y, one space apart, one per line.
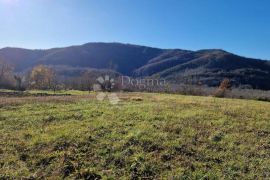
205 66
123 58
210 67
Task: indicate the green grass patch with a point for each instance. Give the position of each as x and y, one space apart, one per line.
159 137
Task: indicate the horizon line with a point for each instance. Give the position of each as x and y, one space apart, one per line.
128 43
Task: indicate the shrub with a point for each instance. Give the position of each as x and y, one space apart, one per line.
223 87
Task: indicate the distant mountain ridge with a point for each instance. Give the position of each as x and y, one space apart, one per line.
205 66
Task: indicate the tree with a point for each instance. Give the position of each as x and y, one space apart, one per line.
5 69
6 75
87 80
19 82
223 87
42 77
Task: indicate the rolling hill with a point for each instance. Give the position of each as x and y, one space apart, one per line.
205 66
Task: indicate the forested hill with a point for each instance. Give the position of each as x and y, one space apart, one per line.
209 66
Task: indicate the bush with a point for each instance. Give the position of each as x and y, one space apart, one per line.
223 87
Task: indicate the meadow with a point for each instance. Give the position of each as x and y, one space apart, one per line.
144 136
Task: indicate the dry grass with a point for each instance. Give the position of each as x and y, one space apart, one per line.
4 101
164 136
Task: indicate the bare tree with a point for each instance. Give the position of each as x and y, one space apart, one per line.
19 82
5 69
6 75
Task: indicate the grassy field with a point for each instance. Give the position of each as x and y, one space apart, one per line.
145 136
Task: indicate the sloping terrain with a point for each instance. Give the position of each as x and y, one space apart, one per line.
123 58
211 66
205 66
159 137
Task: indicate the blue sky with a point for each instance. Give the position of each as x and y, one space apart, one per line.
238 26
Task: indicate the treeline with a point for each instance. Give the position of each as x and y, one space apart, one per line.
9 79
40 77
46 78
